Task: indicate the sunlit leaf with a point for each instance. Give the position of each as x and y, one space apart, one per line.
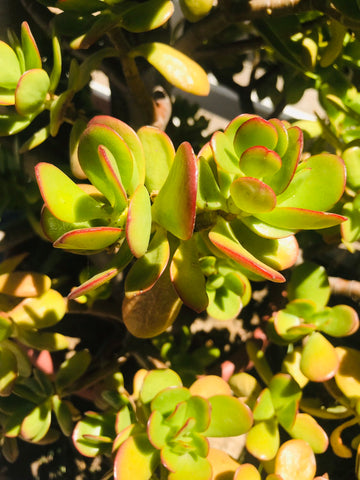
147 16
319 360
138 224
31 91
89 240
9 66
347 376
24 284
295 459
263 440
29 47
238 418
306 428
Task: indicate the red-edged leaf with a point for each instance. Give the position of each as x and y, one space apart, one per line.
224 239
252 195
138 224
255 131
174 207
118 198
29 47
93 282
89 240
300 218
9 67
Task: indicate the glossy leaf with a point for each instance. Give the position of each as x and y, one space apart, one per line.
224 153
72 369
319 360
237 421
156 381
36 425
223 466
295 459
95 425
148 16
23 364
117 198
31 91
94 282
63 415
263 440
209 195
187 276
159 152
350 229
351 157
224 239
66 200
209 386
300 219
264 407
88 240
177 68
260 162
347 376
264 230
223 303
285 395
24 284
158 430
252 195
58 109
121 159
147 269
255 131
175 205
338 321
306 428
185 464
12 123
310 282
309 177
9 67
29 47
168 398
138 224
233 126
247 471
39 312
152 312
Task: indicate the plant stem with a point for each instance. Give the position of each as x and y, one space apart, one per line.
348 288
132 75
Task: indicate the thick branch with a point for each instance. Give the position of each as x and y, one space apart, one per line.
347 288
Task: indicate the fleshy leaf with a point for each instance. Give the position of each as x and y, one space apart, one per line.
264 407
9 67
159 152
295 459
177 68
50 341
72 369
148 16
168 398
223 466
263 440
24 284
309 282
285 394
152 312
31 91
95 426
306 428
209 195
319 360
260 162
156 381
63 415
350 229
117 198
253 132
252 195
351 157
39 312
238 418
348 375
121 158
138 224
88 240
339 321
224 239
185 464
247 471
36 425
209 386
224 154
147 269
157 430
309 191
93 283
175 205
65 200
187 276
8 371
224 304
12 123
29 47
300 219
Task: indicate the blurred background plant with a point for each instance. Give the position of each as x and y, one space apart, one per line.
205 277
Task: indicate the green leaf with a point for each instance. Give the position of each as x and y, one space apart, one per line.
252 195
347 376
263 440
350 229
9 67
229 417
255 132
159 153
36 425
8 371
12 123
58 109
63 415
295 219
264 407
51 341
92 283
209 195
308 190
89 240
224 239
343 321
23 364
168 398
148 16
351 157
247 471
29 47
138 224
306 428
43 311
117 197
7 97
260 162
148 268
156 381
57 63
223 303
66 200
54 228
224 153
92 433
121 158
174 207
319 360
35 140
187 276
283 136
309 282
177 68
24 284
158 430
183 465
285 394
72 369
31 91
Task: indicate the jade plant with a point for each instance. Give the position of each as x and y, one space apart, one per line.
173 293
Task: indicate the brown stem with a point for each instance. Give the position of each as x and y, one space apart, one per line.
347 288
132 76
